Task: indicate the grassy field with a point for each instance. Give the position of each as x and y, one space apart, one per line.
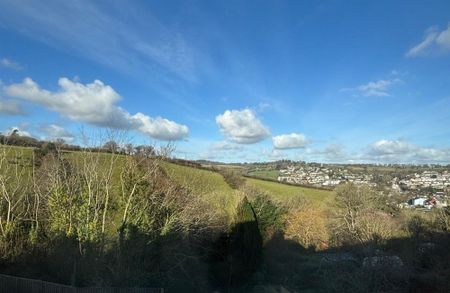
283 192
270 174
207 184
225 167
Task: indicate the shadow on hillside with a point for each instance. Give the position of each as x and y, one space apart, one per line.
236 262
397 265
134 259
235 257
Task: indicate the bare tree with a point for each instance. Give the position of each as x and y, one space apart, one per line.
360 214
307 225
14 186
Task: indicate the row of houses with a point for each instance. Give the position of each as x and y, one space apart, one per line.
426 179
321 176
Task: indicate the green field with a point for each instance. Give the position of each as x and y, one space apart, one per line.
269 174
283 192
212 186
208 184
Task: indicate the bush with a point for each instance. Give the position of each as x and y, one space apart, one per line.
271 217
47 148
233 179
360 215
307 226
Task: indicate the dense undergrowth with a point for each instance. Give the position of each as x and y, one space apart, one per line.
96 219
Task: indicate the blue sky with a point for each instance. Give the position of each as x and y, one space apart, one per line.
326 81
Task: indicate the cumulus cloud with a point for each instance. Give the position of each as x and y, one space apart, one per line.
289 141
53 132
159 128
390 147
10 107
242 126
398 151
8 63
379 88
94 103
434 41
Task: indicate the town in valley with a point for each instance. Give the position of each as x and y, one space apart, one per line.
420 186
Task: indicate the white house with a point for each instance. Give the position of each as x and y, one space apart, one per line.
418 201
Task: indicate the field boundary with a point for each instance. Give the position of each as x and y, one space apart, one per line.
24 285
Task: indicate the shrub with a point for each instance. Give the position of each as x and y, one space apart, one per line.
360 215
233 179
307 226
271 217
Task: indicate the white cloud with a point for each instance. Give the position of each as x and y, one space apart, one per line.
390 147
332 152
53 132
434 41
289 141
379 88
242 126
94 103
8 63
10 107
443 39
397 151
159 128
223 150
274 154
226 146
335 151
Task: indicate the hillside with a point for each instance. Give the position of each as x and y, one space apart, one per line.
207 184
125 219
284 192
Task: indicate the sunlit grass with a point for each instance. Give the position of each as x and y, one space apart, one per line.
270 174
283 192
207 184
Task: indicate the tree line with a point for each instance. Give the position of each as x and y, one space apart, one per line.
108 219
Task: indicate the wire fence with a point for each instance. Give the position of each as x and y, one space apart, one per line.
10 284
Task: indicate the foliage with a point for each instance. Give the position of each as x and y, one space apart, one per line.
360 215
233 179
110 219
307 226
270 215
442 220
